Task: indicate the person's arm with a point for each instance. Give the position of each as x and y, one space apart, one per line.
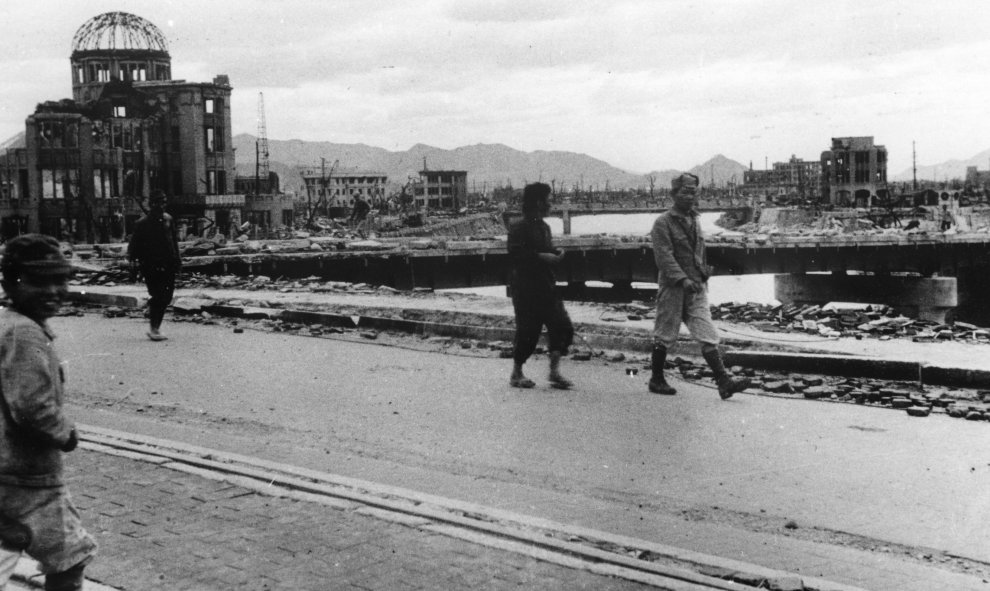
135 248
29 388
173 235
663 254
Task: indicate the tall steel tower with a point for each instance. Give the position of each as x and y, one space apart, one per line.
261 148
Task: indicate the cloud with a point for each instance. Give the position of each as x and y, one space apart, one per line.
642 83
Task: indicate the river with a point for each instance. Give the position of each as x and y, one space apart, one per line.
721 288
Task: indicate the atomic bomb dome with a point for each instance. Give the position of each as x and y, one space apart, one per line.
118 30
86 164
117 47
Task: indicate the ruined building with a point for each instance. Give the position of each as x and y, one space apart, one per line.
854 172
440 189
794 177
332 191
85 165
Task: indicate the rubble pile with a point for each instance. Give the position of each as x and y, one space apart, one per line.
829 321
915 399
302 243
124 274
832 321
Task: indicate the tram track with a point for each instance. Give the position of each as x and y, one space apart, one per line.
657 565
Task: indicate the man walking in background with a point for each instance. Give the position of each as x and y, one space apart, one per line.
154 247
679 252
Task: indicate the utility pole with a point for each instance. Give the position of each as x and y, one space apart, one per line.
323 180
914 166
323 191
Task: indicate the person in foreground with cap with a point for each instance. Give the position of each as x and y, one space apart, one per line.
534 289
37 515
154 246
682 296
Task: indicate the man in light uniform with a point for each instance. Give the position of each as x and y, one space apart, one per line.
679 252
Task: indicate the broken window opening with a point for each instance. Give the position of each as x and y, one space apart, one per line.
216 182
101 72
57 184
132 183
128 137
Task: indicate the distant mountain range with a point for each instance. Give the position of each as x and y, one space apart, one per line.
488 165
948 170
494 165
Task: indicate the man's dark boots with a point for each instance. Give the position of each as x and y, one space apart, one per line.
658 384
69 580
727 383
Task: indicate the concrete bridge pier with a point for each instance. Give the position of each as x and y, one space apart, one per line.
927 298
974 293
566 216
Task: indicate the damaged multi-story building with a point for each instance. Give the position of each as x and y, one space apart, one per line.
85 165
854 172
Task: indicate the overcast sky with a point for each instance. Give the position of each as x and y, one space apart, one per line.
644 85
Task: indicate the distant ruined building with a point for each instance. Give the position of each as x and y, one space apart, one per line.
794 177
87 163
332 193
440 189
854 172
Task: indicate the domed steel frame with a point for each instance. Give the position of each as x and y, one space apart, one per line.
117 46
118 30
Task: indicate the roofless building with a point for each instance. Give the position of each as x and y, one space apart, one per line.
86 164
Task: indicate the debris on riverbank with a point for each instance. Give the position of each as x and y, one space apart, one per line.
918 400
833 320
830 321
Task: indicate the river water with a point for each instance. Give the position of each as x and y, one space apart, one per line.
721 288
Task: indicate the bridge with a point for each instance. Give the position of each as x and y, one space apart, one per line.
566 211
929 273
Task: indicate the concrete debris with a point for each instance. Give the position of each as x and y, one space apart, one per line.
870 321
114 312
881 322
917 400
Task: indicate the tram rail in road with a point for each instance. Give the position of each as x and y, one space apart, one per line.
661 566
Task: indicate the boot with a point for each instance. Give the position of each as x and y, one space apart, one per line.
69 580
658 384
727 384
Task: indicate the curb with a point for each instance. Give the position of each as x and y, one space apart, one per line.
839 365
808 362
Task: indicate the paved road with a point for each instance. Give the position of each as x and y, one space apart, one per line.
848 493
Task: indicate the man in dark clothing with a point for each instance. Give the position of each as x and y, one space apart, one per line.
37 515
359 211
682 296
154 247
534 296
